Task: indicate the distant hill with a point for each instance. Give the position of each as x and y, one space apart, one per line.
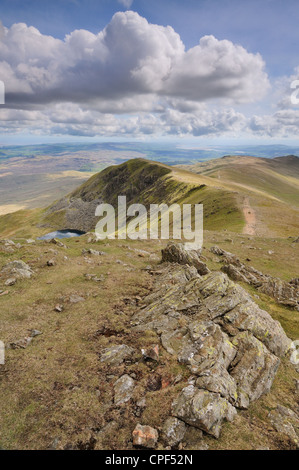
243 194
147 183
272 186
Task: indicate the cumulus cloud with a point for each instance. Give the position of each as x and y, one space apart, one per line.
283 123
132 76
130 57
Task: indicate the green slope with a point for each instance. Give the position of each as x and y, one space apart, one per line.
140 181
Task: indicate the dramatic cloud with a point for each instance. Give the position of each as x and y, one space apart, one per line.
132 77
130 57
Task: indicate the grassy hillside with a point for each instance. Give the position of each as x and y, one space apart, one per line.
141 182
272 186
256 196
58 394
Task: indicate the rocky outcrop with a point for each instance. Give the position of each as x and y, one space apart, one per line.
203 409
116 354
173 431
145 436
286 421
212 325
123 389
176 253
139 180
16 269
285 293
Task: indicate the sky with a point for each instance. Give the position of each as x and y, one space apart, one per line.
192 70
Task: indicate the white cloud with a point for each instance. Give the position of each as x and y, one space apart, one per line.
132 77
283 123
129 58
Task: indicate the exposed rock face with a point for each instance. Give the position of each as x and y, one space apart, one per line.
286 421
176 253
145 436
24 342
151 353
116 354
17 269
138 180
90 251
78 213
123 389
173 431
203 409
214 327
286 293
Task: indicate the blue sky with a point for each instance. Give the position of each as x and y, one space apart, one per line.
267 30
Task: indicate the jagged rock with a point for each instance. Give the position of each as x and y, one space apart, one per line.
30 241
173 431
51 262
21 343
58 308
212 325
151 353
253 369
200 346
58 243
94 277
145 436
123 389
229 257
286 293
176 253
116 354
17 269
11 281
90 251
8 242
217 251
218 380
249 317
286 421
203 409
234 273
24 342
